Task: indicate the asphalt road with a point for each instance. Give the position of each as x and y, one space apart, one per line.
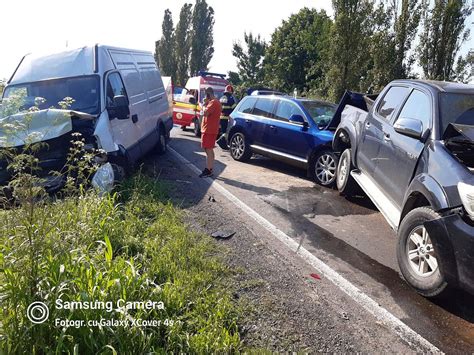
351 237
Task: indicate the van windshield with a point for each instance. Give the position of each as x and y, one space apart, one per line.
83 90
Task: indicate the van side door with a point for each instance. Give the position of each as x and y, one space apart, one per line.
124 131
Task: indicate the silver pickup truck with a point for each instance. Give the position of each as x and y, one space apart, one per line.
411 150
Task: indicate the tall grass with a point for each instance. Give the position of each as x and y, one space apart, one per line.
131 245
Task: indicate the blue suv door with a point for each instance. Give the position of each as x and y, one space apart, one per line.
286 137
261 118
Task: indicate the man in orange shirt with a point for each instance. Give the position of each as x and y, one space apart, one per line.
210 129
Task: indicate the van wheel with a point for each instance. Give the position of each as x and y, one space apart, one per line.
197 127
323 168
239 148
417 257
162 145
344 181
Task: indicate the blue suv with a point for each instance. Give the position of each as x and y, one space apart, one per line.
295 131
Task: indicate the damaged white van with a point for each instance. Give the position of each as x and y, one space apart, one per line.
119 104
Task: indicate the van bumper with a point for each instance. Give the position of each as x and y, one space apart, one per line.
453 239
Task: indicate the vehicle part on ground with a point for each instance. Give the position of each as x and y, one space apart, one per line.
416 255
324 166
239 148
104 178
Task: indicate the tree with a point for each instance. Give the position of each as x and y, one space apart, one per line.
202 40
350 37
164 48
464 70
250 59
407 16
297 50
2 85
182 44
444 31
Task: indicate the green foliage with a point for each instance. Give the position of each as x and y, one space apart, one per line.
164 48
202 40
295 57
250 59
131 246
350 34
444 31
182 46
2 85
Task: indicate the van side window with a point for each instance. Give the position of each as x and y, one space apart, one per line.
391 101
114 88
246 105
286 109
418 107
263 107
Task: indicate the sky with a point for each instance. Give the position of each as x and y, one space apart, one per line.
50 25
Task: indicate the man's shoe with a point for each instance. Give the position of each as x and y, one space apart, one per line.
206 173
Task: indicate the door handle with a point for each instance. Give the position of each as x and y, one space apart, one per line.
386 137
134 118
272 127
247 121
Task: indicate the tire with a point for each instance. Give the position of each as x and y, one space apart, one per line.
197 127
239 148
345 183
323 168
420 269
162 145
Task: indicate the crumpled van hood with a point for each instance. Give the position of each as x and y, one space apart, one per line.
32 127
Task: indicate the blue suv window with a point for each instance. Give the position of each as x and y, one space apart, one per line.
246 105
286 109
264 107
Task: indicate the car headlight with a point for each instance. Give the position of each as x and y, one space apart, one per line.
466 192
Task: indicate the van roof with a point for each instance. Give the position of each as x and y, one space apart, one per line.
69 63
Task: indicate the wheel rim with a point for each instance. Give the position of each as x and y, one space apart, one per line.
420 252
343 171
325 168
237 146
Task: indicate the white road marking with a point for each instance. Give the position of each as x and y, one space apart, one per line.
382 315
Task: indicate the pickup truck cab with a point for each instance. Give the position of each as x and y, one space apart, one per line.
412 152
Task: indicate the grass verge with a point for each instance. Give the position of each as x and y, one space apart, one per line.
131 246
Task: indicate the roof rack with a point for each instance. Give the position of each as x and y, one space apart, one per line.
266 92
205 73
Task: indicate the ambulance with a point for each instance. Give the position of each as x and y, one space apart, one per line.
188 100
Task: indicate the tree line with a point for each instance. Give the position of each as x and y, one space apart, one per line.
187 48
364 46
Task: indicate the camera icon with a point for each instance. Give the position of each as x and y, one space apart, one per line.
37 312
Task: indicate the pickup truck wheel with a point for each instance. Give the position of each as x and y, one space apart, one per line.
323 168
197 127
345 182
417 257
239 148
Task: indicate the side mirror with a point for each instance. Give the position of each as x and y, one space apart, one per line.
410 127
297 119
119 109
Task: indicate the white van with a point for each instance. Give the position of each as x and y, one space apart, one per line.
120 104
